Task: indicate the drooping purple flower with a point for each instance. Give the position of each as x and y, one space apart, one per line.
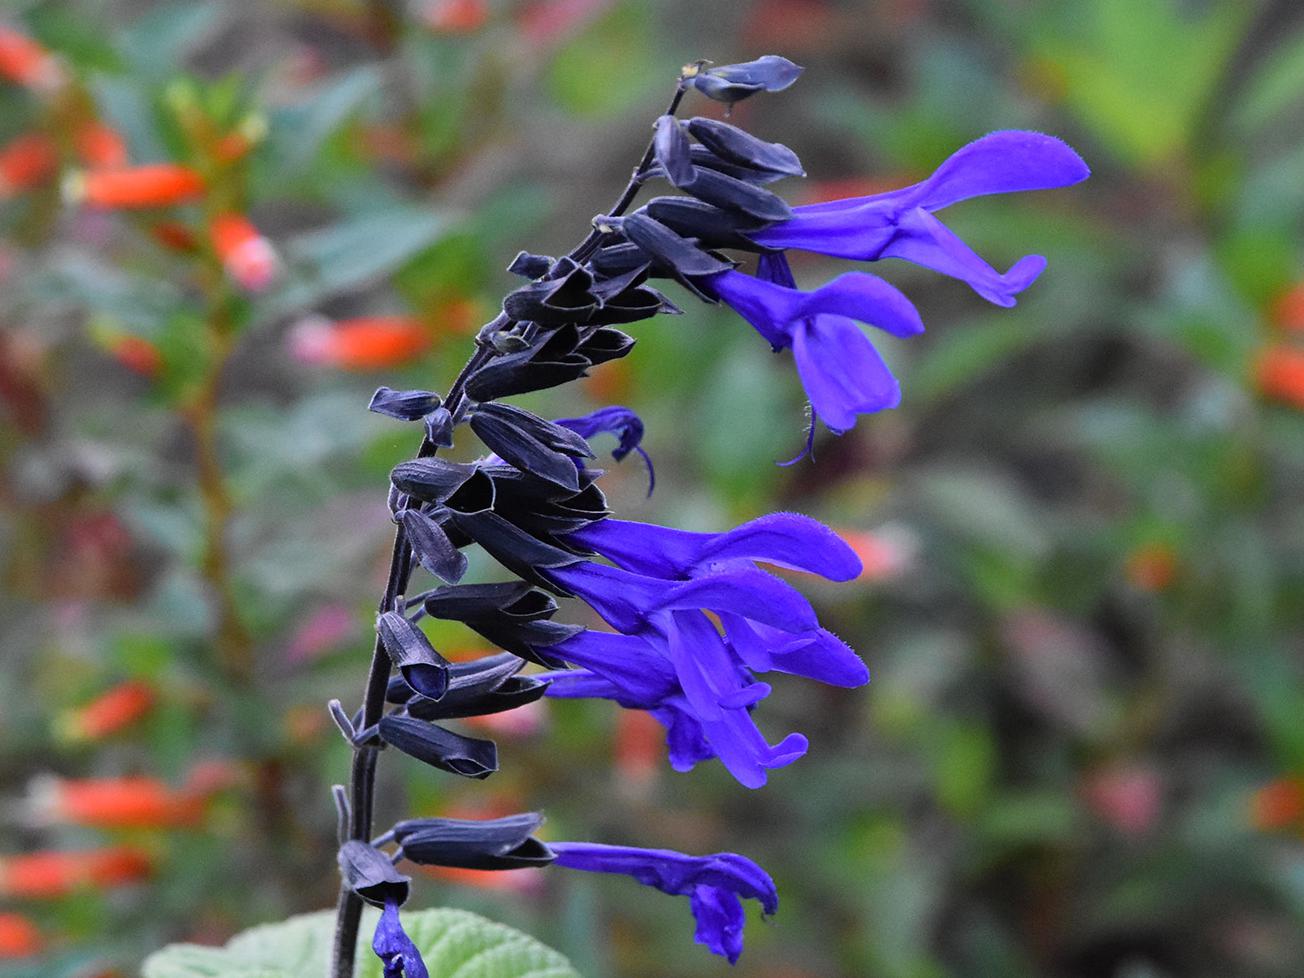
397 953
621 422
841 371
900 223
715 885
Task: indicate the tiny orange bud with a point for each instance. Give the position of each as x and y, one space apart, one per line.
155 185
110 712
26 162
1278 805
359 344
100 146
247 256
1151 567
19 937
25 62
1279 374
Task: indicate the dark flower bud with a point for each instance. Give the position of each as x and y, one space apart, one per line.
488 672
439 427
477 494
403 405
433 745
736 146
734 194
731 83
523 373
529 640
704 157
421 667
530 266
554 301
432 547
530 443
633 305
501 843
676 253
369 873
617 259
672 150
489 685
431 479
512 599
605 344
518 551
710 225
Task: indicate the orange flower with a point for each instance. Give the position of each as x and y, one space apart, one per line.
115 803
1279 374
25 62
247 256
135 353
52 874
110 712
26 162
1151 567
100 146
154 185
367 343
19 937
1278 805
454 16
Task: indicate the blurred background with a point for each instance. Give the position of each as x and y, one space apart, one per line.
1082 754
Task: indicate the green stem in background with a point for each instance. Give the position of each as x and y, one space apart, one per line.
233 645
362 781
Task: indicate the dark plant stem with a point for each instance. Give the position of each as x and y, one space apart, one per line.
362 778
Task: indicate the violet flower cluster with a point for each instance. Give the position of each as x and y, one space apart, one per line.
693 618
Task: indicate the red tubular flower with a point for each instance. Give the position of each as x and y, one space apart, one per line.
454 16
19 937
155 185
110 712
1152 567
247 256
135 353
100 146
116 803
51 874
25 162
1278 805
25 62
1279 375
366 343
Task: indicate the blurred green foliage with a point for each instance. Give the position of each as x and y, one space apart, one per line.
1081 754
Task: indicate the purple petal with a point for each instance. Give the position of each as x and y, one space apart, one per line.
398 954
720 921
841 372
818 655
925 240
1003 162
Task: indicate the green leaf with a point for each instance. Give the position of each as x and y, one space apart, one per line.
453 943
352 254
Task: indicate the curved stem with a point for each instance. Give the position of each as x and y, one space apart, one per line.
363 775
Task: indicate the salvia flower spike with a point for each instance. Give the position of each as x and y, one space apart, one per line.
693 619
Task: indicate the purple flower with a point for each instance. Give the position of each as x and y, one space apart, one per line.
671 660
394 948
621 422
842 373
714 885
900 223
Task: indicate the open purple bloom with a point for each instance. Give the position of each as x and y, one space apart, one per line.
673 661
841 371
621 422
394 948
715 885
900 223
